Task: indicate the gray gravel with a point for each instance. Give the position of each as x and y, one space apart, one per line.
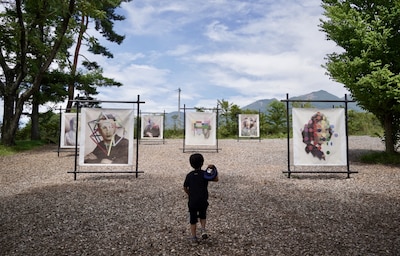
254 208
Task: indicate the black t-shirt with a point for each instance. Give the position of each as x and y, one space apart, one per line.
198 189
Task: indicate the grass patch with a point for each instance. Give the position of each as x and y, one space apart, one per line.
381 158
22 145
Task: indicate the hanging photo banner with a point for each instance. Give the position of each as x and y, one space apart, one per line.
200 128
152 126
249 125
69 126
319 136
106 137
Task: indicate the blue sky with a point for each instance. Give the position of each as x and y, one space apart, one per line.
237 50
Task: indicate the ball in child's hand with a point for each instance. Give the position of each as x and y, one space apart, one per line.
211 172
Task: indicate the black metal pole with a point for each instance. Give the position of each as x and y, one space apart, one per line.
347 136
217 127
237 121
288 132
259 123
163 138
184 126
59 136
76 139
137 136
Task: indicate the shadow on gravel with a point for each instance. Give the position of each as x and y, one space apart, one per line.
119 215
319 176
355 154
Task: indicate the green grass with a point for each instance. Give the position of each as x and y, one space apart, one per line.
22 145
381 158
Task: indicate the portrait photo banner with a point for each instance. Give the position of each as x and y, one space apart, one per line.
249 125
69 127
152 126
319 136
106 137
200 128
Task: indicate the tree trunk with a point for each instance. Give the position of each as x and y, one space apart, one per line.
71 84
35 130
13 102
10 121
388 127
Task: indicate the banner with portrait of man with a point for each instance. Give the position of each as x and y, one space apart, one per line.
69 127
249 125
152 126
200 128
319 136
106 137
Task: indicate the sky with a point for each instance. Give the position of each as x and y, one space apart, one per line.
239 51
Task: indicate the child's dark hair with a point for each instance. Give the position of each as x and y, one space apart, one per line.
196 160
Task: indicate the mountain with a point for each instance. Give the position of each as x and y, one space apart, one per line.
261 105
171 119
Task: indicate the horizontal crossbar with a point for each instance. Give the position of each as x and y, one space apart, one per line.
320 172
107 172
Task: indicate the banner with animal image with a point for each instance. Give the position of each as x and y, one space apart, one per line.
152 126
200 128
249 125
319 136
69 127
106 137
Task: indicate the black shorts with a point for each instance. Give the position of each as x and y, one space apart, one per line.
196 213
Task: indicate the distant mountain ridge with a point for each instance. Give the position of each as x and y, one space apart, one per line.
261 105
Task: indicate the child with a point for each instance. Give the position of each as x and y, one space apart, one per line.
195 186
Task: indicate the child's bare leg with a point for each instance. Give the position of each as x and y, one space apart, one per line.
203 223
204 234
193 230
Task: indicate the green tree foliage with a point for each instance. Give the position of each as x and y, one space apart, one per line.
35 34
302 105
369 65
49 128
225 108
363 123
276 117
103 15
32 32
228 119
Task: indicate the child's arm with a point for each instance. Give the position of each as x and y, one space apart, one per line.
186 189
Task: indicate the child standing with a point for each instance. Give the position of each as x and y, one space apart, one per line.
195 186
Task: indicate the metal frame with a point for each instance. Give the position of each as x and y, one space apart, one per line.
184 131
153 141
138 102
249 137
345 101
59 148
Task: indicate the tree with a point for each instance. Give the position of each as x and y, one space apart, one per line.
369 65
276 117
103 15
225 109
37 33
53 88
22 43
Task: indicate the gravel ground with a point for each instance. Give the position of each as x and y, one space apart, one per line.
254 208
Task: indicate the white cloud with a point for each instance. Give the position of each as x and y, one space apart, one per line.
181 50
240 51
